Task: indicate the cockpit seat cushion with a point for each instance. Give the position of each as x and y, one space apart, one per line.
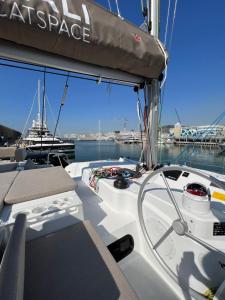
13 262
7 152
6 180
73 263
39 183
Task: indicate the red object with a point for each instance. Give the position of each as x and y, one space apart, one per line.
197 189
137 38
196 192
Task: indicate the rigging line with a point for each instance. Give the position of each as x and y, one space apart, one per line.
207 130
147 129
162 94
118 10
163 84
62 103
159 123
148 15
142 6
43 105
140 113
170 43
93 77
214 123
109 4
28 118
173 25
60 109
52 113
167 22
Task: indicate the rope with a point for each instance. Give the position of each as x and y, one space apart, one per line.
149 16
43 105
170 40
173 25
61 104
142 6
118 10
163 84
167 22
146 120
52 114
110 7
90 78
140 116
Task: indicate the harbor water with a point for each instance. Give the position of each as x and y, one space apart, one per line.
195 156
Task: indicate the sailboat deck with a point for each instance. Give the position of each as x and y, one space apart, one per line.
114 214
144 280
105 220
111 225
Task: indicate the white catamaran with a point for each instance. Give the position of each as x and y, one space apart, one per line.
107 229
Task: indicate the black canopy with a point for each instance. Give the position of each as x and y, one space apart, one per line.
82 31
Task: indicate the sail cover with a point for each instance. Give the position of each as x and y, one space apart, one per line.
83 31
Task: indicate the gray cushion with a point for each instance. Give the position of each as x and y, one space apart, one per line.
38 183
13 263
7 152
6 180
73 263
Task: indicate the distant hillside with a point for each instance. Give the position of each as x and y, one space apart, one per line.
8 135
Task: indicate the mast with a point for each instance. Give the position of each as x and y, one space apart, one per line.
45 112
152 94
39 104
99 129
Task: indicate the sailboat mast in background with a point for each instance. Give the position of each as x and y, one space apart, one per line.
39 103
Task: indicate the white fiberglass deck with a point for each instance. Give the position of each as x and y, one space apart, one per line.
111 225
143 278
114 213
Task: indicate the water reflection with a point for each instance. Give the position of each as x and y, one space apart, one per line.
199 157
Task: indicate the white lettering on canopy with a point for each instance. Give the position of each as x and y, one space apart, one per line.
16 13
64 28
86 15
40 15
52 4
67 13
29 12
54 21
70 14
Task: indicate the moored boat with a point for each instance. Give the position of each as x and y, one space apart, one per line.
39 138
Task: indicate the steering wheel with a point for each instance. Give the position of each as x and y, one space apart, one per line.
179 226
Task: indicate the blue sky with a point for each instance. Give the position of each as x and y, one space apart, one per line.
195 85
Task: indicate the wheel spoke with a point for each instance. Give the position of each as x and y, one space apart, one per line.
165 235
172 198
202 243
179 226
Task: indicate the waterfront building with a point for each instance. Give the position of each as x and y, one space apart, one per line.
207 133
